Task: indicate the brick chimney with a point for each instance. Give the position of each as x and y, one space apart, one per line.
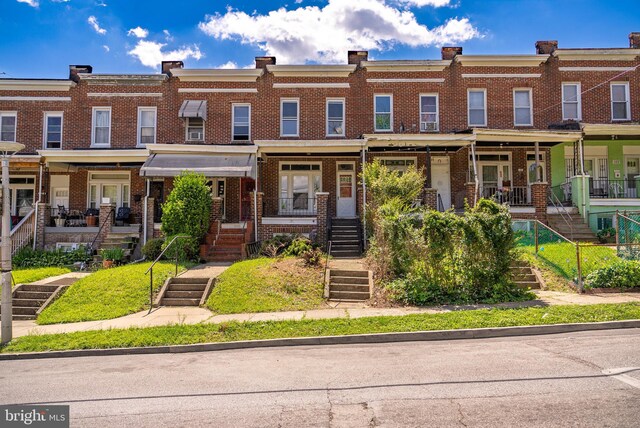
450 52
75 69
546 47
356 57
634 40
166 66
263 61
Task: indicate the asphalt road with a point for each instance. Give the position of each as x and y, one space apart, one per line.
581 379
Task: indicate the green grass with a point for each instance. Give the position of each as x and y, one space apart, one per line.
234 331
27 275
107 294
560 257
267 285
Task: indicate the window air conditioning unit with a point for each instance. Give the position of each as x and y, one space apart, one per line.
195 135
428 126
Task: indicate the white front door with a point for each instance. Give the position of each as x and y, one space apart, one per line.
441 179
346 181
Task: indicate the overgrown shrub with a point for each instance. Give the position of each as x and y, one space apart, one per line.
312 257
183 248
606 235
113 254
298 246
620 274
188 207
152 249
277 245
27 257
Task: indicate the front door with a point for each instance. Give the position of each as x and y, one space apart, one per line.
441 179
633 169
346 189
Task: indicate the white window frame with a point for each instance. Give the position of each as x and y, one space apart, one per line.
469 91
344 109
627 99
578 86
289 174
233 120
47 115
376 113
403 168
15 127
93 126
282 118
155 124
14 187
120 202
437 96
187 126
530 91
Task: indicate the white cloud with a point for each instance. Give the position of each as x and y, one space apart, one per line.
139 32
93 21
325 34
423 3
167 36
228 65
106 48
150 53
61 1
32 3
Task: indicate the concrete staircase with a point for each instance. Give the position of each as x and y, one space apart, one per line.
29 298
184 291
345 238
523 275
349 285
578 232
127 240
225 244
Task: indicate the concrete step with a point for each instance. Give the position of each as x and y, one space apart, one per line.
525 277
180 302
39 288
193 281
223 258
345 254
231 231
349 273
188 287
181 294
349 287
528 284
32 303
38 295
25 310
362 280
353 295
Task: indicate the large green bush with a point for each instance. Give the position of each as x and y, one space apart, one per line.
27 257
188 207
152 249
620 274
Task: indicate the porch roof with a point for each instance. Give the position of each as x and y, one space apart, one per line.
94 156
310 146
220 165
610 129
525 136
420 140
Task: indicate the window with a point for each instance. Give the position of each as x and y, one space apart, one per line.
21 194
522 107
428 112
52 130
101 130
113 185
289 113
146 125
299 184
8 126
571 101
398 164
241 122
604 222
620 108
195 129
335 117
383 116
477 104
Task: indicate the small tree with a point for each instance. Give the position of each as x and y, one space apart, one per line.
188 207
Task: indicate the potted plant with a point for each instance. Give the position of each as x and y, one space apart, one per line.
111 256
91 216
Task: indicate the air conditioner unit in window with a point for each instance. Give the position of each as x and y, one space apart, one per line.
195 135
428 126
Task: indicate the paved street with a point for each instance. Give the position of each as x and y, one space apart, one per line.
580 379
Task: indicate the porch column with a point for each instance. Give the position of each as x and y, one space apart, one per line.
539 199
322 220
431 198
470 193
42 221
150 216
106 218
256 214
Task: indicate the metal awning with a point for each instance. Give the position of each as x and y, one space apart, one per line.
214 165
193 108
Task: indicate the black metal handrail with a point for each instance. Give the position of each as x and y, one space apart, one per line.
150 270
90 248
440 203
326 261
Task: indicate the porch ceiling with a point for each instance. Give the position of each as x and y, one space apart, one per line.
94 156
418 140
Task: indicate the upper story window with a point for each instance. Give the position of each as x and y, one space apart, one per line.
620 106
101 129
477 107
146 125
522 107
335 117
289 117
383 116
52 130
429 112
195 129
8 126
241 122
571 101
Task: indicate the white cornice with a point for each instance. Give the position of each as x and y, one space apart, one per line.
615 54
500 75
405 66
610 129
501 60
125 94
407 80
319 85
217 90
311 70
595 68
36 85
516 135
201 148
48 99
217 75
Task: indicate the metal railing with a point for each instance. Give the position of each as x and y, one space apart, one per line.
108 218
253 248
562 193
22 233
326 262
562 210
440 204
150 270
604 188
296 206
516 196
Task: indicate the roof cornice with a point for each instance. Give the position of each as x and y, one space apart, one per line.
610 129
311 70
405 66
614 54
36 85
123 79
501 60
217 75
518 135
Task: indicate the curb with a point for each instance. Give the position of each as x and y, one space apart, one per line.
418 336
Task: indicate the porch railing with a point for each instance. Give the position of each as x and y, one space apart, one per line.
515 196
296 206
604 188
562 193
22 233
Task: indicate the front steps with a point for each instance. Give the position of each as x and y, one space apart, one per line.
184 291
523 275
127 240
349 285
345 238
29 298
579 231
224 244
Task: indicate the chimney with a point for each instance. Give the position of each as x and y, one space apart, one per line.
356 57
450 52
546 47
75 69
166 66
634 40
263 61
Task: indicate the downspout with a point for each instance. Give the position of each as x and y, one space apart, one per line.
364 200
585 187
475 172
255 200
145 210
35 227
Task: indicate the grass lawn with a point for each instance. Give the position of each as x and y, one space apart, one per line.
27 275
560 257
234 331
106 294
267 285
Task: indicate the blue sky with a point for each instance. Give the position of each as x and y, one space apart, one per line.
40 38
